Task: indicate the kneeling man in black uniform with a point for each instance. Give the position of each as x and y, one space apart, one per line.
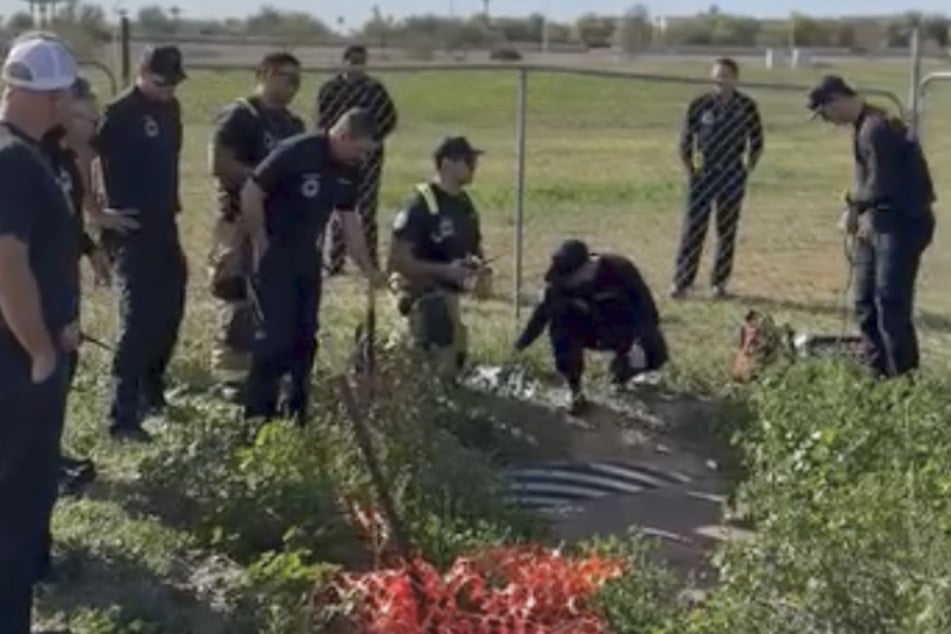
596 302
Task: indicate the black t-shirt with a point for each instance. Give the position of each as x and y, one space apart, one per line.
303 185
450 232
250 130
35 212
139 142
616 292
891 173
722 130
66 169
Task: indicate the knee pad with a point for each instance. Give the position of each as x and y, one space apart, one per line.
434 324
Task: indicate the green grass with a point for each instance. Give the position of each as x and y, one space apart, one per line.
600 165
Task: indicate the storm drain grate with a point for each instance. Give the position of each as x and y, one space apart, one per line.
556 484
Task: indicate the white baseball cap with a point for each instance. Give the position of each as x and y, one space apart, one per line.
40 62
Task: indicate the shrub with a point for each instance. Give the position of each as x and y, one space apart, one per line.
848 486
251 489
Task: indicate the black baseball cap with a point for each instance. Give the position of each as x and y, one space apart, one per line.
827 90
166 62
567 259
456 148
355 50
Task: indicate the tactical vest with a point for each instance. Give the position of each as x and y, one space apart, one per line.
429 197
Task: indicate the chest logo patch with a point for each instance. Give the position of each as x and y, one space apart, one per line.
446 230
151 127
65 182
310 186
269 141
707 118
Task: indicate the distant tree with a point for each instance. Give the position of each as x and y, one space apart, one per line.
730 30
595 31
295 24
634 31
20 21
153 19
520 29
378 29
937 28
558 33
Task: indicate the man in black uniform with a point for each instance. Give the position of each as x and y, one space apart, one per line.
723 127
245 132
139 141
63 145
596 302
890 215
436 252
286 204
39 298
354 88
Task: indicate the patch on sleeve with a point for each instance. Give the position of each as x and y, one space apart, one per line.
401 220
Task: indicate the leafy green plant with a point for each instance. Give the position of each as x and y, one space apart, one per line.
847 487
643 598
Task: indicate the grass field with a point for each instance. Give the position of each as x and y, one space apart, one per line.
600 165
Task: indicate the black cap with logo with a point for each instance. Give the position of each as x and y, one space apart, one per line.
456 148
831 87
166 62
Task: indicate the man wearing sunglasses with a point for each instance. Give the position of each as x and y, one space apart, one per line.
139 141
354 88
39 308
889 214
436 255
245 133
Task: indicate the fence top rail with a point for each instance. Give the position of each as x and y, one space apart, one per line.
931 78
553 68
105 70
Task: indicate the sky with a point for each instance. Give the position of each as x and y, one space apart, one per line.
355 12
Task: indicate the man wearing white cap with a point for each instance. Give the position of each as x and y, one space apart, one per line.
39 296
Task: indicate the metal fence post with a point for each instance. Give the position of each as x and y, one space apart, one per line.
125 54
914 91
522 98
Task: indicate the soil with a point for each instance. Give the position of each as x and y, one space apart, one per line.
644 428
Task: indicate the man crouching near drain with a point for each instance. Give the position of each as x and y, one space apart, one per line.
436 255
596 302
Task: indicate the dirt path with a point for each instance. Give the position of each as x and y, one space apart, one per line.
634 460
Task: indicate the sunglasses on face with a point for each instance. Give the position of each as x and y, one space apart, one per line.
164 82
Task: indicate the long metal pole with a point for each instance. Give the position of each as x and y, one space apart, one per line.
521 102
914 91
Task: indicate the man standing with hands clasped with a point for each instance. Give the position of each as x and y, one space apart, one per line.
355 88
39 301
890 216
139 141
722 128
286 205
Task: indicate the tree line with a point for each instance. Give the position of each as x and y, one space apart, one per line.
633 32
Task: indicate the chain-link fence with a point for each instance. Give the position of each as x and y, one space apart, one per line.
599 156
102 78
933 299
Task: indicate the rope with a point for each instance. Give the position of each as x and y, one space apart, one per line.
848 248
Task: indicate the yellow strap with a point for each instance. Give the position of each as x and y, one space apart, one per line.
426 191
